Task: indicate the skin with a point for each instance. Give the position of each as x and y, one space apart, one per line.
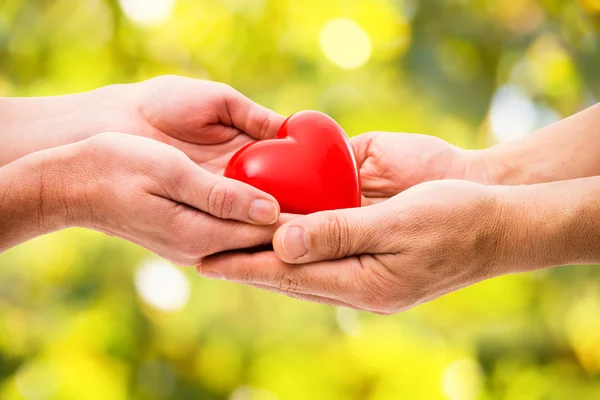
159 185
437 219
209 121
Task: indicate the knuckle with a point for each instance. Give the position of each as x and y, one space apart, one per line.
221 87
221 201
183 235
102 148
163 80
184 261
104 139
224 87
336 236
193 250
285 282
263 123
173 177
96 143
248 275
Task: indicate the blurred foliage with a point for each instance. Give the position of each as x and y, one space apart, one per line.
83 316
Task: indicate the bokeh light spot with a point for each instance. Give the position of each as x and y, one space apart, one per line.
36 381
512 113
347 321
162 286
462 380
249 393
147 12
345 43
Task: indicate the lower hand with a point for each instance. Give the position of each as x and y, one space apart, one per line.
427 241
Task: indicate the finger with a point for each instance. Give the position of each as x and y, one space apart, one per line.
194 235
223 236
339 280
372 156
361 144
336 234
319 299
253 119
264 245
307 297
222 197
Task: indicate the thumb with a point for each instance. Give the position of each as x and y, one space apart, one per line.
251 118
335 234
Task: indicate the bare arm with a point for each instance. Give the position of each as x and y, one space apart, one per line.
27 200
568 149
555 223
37 123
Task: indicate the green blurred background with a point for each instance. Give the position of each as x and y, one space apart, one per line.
84 316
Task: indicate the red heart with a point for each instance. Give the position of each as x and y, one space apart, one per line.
310 167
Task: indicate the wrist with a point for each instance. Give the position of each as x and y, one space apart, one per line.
32 199
478 168
499 165
58 181
34 124
55 189
71 185
550 224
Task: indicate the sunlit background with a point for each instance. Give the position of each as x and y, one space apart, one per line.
84 316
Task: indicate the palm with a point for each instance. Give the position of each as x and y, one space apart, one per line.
211 157
390 163
208 121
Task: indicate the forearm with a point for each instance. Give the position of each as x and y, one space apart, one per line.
28 125
568 149
31 200
552 224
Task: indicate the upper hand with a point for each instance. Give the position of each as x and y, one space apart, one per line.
429 240
209 121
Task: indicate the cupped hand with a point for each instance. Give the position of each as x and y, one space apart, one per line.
427 241
152 194
393 162
209 121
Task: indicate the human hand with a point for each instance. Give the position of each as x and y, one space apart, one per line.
393 162
427 241
207 120
152 194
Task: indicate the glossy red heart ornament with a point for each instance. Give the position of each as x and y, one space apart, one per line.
309 167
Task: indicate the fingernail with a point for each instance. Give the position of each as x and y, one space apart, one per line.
211 273
295 242
263 212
